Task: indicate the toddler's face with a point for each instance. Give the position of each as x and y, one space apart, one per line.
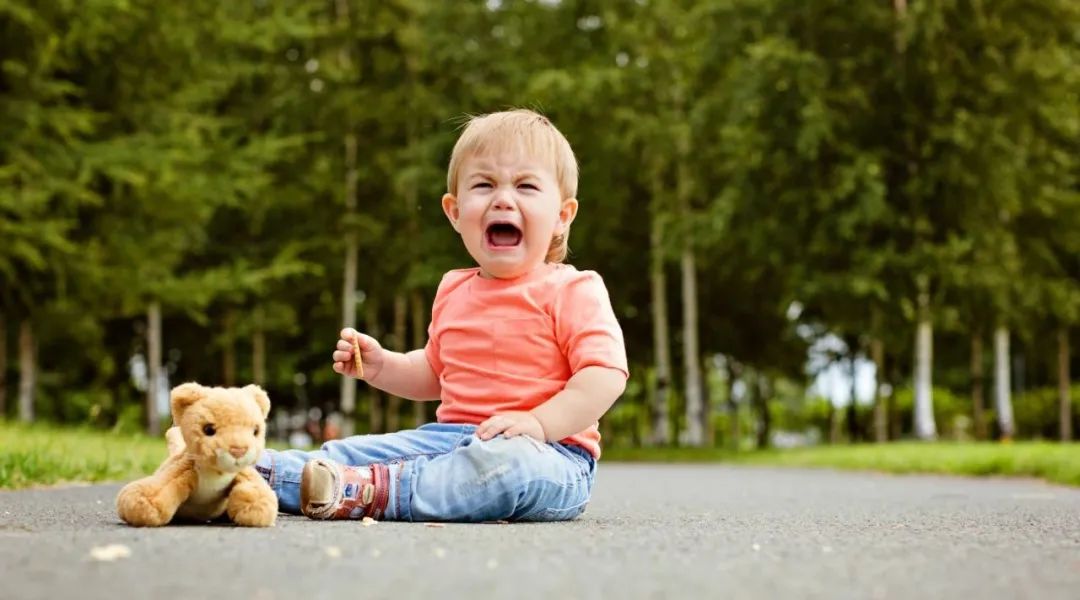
507 208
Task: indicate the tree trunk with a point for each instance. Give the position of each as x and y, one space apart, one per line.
978 402
732 404
1002 387
393 405
419 336
661 427
375 414
1064 399
695 434
228 354
3 366
153 367
764 419
27 370
895 426
852 408
352 246
881 422
258 350
707 404
925 427
348 292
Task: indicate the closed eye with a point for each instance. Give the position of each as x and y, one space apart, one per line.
482 184
529 186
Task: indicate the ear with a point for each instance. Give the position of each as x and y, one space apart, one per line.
183 396
261 398
450 207
567 212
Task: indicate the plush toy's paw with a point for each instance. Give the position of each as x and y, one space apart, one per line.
174 440
136 507
253 504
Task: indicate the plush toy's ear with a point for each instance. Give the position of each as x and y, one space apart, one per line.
261 398
183 396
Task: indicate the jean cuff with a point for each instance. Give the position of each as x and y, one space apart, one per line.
400 506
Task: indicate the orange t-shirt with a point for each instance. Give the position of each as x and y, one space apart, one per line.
504 345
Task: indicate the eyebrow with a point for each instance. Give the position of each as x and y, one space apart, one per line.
488 174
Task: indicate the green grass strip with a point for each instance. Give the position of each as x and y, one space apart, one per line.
1058 463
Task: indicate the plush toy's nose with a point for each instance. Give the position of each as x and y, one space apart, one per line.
237 451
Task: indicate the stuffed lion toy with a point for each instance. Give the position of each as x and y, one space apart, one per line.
218 434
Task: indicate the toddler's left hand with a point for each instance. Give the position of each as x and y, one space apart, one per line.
512 424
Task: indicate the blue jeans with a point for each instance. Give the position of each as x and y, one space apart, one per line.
444 472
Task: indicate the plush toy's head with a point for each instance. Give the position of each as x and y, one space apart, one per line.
223 428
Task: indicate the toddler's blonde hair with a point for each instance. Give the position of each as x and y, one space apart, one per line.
525 131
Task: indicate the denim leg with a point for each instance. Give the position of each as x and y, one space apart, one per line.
283 468
515 478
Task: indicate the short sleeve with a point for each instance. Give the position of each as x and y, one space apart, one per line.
585 325
431 349
431 352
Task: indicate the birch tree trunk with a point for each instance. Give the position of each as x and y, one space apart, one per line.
352 248
1064 399
153 367
925 427
661 426
978 400
695 435
348 291
1002 386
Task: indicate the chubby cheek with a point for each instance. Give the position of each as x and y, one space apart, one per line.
469 220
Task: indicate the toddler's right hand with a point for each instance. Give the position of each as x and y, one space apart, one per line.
371 354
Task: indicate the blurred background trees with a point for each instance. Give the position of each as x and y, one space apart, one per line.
793 204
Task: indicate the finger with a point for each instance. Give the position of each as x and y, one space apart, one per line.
342 356
514 430
349 334
500 427
339 367
367 343
493 427
344 345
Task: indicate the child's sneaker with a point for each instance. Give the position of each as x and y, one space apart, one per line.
329 490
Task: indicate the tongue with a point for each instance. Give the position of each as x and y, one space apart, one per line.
505 237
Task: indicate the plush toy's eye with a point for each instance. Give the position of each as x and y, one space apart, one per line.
256 430
208 429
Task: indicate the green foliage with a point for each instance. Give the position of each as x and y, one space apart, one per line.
1037 412
825 154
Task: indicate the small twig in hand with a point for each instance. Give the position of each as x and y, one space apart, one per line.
356 357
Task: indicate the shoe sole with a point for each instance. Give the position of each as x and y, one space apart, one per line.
306 479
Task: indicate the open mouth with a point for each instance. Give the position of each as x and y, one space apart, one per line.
503 235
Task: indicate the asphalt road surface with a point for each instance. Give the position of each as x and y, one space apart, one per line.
649 532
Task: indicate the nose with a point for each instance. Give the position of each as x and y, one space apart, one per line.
237 451
502 201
